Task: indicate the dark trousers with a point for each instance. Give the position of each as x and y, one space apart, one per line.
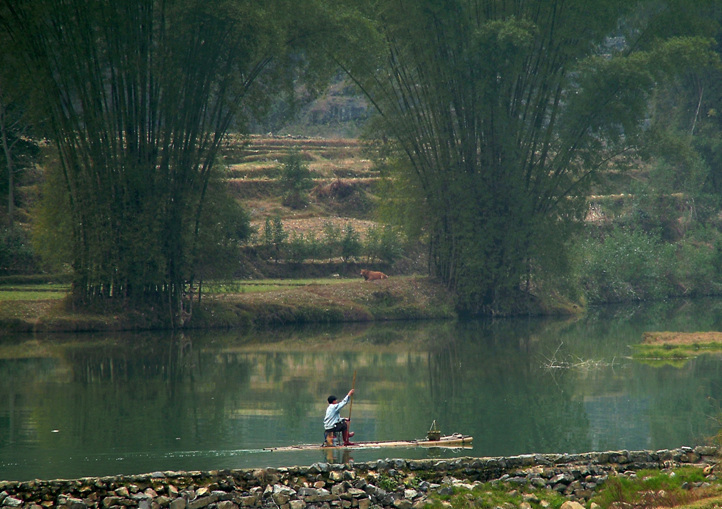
341 425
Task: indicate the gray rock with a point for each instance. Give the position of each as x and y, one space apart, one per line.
564 478
111 501
446 490
356 492
410 494
248 501
307 492
163 501
402 503
70 503
317 468
282 490
178 503
122 492
201 502
16 502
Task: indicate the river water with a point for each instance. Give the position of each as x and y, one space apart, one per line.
105 404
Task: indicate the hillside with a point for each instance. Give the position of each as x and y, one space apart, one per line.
344 179
343 195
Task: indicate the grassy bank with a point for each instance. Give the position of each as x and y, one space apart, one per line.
246 304
677 347
249 304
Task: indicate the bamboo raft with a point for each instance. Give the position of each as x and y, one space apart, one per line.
454 441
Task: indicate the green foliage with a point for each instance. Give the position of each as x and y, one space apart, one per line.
140 95
350 244
268 232
296 180
379 243
333 236
383 243
503 116
388 483
652 488
274 236
52 233
626 265
18 148
223 227
493 495
695 268
16 255
301 247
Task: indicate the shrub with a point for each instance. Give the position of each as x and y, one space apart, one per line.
300 247
383 244
350 243
652 488
16 255
296 180
274 236
332 240
626 265
695 271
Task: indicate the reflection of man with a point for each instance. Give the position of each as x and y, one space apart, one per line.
333 422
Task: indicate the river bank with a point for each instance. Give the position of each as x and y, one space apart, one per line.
389 483
356 300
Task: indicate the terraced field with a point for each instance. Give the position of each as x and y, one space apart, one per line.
343 175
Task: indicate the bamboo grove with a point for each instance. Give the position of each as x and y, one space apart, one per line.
497 114
139 95
502 112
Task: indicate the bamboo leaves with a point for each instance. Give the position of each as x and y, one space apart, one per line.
505 111
140 94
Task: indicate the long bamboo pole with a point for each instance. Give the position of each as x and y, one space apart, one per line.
350 405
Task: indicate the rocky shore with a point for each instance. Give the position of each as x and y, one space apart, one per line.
389 484
392 484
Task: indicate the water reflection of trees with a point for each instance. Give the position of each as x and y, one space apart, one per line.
222 390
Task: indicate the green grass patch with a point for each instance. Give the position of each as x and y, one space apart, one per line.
30 295
670 353
265 285
491 496
34 292
654 488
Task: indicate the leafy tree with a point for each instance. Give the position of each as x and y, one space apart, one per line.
350 243
52 224
383 243
139 95
16 256
296 180
274 236
299 247
17 148
224 226
332 238
501 114
685 137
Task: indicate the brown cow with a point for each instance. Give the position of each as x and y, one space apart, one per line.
371 275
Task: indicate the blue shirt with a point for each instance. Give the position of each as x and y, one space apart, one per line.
332 413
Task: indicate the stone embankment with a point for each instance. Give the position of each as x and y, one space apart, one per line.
392 484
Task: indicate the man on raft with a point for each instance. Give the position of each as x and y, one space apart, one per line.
333 422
